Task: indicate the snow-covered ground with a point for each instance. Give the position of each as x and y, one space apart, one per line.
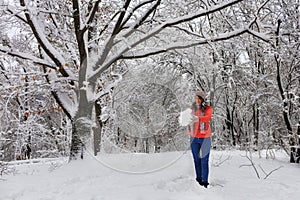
162 176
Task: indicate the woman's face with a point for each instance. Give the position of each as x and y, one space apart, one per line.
198 100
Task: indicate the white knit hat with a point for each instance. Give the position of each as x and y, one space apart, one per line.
201 94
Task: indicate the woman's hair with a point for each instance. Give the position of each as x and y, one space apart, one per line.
203 100
203 106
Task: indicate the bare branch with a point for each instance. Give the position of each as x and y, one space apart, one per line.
252 164
272 172
220 161
268 174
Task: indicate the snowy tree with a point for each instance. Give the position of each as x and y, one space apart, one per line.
286 59
261 78
28 113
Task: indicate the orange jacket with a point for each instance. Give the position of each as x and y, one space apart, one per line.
194 130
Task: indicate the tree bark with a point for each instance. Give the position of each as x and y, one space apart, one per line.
255 124
97 130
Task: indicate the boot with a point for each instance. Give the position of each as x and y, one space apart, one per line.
199 180
205 184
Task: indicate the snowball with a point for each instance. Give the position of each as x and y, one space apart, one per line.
186 117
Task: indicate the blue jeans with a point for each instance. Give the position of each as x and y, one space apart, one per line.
201 149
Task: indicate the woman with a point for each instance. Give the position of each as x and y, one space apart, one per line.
200 141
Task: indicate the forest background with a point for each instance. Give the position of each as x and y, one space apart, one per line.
113 76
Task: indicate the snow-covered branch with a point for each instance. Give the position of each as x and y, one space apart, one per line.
42 39
201 13
259 35
25 56
108 23
118 25
91 15
17 14
154 31
182 45
63 100
134 27
135 9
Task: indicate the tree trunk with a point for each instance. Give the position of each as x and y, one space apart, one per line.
229 122
97 129
83 120
82 130
285 104
298 150
255 124
145 145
